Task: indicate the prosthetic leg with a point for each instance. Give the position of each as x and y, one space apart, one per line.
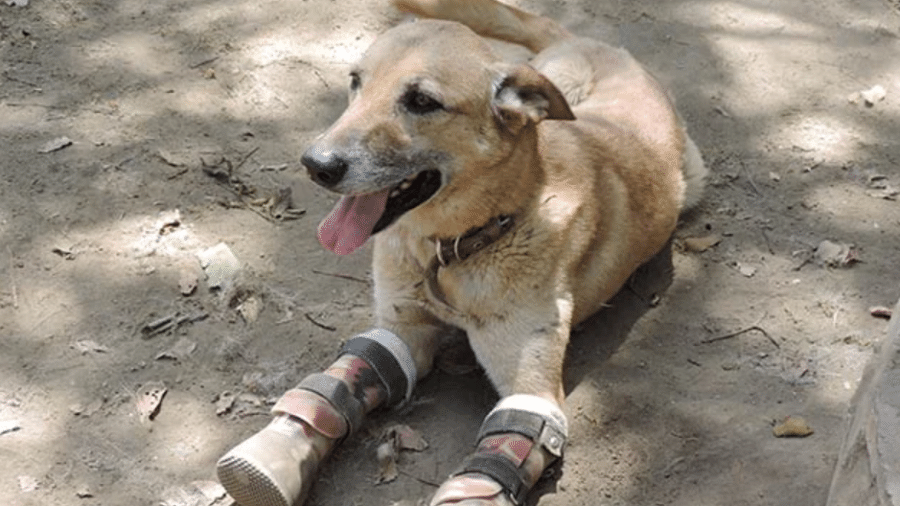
277 465
518 439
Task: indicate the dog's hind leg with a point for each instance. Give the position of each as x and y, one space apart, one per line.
493 19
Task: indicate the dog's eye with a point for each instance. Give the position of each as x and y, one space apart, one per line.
355 82
417 102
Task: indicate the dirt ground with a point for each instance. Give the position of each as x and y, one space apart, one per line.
136 135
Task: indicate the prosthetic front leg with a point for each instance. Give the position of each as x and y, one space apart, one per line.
518 439
276 466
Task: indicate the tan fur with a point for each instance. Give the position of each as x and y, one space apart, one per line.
594 197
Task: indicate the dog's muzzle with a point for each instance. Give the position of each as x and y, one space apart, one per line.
326 168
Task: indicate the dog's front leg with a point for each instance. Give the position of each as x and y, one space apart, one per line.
526 431
277 465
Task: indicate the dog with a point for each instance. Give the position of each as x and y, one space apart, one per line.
510 201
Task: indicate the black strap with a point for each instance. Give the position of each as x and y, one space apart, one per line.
382 362
500 469
531 425
512 420
339 395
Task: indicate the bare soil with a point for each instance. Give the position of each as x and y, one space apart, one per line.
185 122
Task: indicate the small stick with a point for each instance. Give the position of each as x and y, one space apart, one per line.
12 279
744 330
342 276
204 62
420 480
317 324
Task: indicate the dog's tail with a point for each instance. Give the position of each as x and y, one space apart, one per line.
493 19
694 173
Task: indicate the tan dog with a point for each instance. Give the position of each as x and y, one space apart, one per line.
510 201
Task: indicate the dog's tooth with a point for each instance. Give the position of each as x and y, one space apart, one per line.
405 184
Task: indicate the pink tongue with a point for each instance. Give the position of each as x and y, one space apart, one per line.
350 223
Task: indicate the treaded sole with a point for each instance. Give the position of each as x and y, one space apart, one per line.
248 483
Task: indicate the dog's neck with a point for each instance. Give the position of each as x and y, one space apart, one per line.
448 251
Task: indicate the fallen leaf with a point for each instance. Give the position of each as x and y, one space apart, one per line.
873 95
832 254
881 312
170 159
250 308
792 426
55 145
220 265
701 244
387 463
28 483
746 270
83 492
224 402
187 282
86 346
197 493
181 350
406 438
149 399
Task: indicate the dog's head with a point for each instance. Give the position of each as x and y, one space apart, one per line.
428 102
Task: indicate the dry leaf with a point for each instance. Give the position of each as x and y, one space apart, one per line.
28 483
224 402
181 350
187 282
86 346
881 311
250 308
832 254
387 463
701 244
149 399
55 144
406 438
792 426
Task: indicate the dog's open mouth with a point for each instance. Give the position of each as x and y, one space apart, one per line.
356 217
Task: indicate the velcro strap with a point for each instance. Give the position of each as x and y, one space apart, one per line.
500 469
529 424
382 362
339 395
315 410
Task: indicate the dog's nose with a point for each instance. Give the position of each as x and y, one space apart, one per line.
326 168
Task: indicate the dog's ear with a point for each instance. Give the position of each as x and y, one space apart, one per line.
523 95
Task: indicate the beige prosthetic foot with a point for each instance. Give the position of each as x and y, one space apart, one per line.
518 440
277 465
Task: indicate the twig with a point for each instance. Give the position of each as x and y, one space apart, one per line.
244 159
420 480
204 62
342 276
768 242
750 179
744 330
317 324
12 279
